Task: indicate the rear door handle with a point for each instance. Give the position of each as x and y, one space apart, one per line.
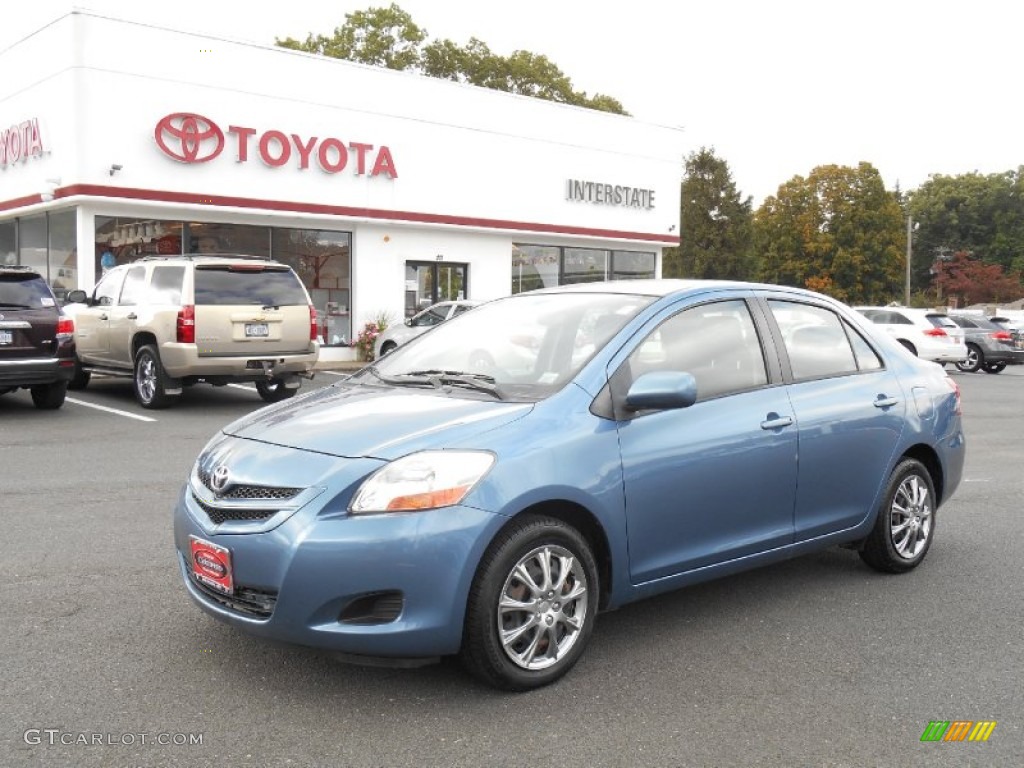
103 317
885 402
774 421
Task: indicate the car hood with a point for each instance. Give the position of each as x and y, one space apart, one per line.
353 421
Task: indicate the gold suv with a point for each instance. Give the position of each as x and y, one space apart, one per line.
173 321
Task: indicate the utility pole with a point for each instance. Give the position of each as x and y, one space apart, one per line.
906 287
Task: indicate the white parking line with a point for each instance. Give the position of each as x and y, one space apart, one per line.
243 386
108 410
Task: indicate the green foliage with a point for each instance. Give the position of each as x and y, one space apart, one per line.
982 216
388 37
716 224
380 37
838 231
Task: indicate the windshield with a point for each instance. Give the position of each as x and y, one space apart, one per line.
521 348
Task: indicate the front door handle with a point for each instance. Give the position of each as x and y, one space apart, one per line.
103 317
132 316
774 421
885 402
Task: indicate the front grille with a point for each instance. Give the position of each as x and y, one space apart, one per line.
258 603
250 492
222 515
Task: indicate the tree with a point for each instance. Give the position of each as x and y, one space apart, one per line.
716 224
380 37
838 231
971 281
982 216
388 37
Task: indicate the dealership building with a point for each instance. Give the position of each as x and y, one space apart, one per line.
386 191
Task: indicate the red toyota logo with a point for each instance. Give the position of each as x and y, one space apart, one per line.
189 138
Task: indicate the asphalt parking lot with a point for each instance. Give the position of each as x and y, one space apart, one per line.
814 662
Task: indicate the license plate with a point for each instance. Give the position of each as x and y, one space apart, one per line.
211 564
257 329
6 337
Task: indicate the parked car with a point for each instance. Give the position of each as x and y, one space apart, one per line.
929 334
420 509
37 349
172 321
396 335
990 347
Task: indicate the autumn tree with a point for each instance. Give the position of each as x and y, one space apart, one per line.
716 224
971 281
982 216
388 37
838 231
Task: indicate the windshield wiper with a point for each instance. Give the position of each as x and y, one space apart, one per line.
478 381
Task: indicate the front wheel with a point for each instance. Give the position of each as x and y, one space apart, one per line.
532 605
150 379
994 367
975 360
905 525
274 391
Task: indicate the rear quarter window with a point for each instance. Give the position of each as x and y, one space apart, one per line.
260 286
165 285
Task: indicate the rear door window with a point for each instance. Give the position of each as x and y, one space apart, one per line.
256 285
815 340
134 285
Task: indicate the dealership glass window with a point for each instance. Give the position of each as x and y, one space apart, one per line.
120 240
584 265
9 242
542 266
534 266
62 252
206 237
32 242
323 261
632 265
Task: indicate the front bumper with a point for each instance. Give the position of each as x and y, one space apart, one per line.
293 582
30 372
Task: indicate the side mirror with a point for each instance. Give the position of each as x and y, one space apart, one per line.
408 321
77 296
662 390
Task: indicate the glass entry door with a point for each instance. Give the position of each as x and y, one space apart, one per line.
428 282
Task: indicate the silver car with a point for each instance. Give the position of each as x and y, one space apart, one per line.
396 335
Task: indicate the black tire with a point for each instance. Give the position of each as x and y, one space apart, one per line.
81 378
909 507
547 622
387 348
994 367
274 391
150 380
49 397
975 360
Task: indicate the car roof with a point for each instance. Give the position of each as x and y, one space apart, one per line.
20 269
209 258
913 311
663 287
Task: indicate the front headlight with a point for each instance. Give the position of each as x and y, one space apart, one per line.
424 480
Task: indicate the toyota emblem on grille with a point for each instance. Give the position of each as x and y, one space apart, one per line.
189 138
219 478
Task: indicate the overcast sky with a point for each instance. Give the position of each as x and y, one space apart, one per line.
914 87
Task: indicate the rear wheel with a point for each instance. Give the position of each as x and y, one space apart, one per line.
994 367
905 524
150 379
532 605
975 359
274 391
49 397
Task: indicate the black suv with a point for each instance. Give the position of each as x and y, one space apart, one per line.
37 350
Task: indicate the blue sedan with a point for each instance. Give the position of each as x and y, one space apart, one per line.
489 488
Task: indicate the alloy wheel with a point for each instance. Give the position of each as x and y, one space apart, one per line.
910 517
